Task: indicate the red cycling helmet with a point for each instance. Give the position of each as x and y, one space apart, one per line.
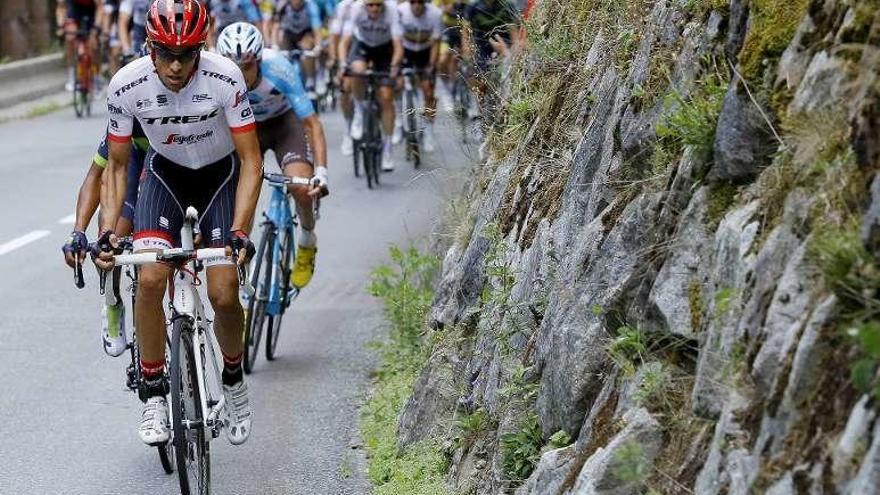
177 23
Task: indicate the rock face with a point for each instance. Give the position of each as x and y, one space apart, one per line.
638 313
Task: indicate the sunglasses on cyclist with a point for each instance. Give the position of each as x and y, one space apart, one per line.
169 56
417 2
374 4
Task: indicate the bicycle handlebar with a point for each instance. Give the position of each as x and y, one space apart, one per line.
284 179
175 256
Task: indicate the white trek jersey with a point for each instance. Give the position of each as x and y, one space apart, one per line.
374 32
419 33
340 17
191 128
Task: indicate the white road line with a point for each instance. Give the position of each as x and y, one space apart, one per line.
22 241
69 219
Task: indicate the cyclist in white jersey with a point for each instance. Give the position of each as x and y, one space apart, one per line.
340 17
194 109
286 124
372 35
422 28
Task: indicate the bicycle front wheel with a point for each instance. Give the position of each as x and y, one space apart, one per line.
256 315
190 444
273 329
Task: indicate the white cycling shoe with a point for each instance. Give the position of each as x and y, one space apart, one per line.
347 146
238 410
357 124
154 422
387 160
113 338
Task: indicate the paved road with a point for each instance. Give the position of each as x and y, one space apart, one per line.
66 423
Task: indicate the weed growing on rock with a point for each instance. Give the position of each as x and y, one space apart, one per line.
405 287
691 121
628 348
521 449
631 467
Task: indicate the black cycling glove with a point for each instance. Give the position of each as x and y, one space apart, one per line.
241 245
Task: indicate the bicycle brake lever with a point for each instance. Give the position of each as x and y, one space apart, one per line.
102 281
78 279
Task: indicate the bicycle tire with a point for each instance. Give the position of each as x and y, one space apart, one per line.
78 108
273 329
356 156
190 444
165 457
256 315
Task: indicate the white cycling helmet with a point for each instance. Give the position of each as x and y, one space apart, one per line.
240 42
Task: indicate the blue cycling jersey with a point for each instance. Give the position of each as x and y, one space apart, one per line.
279 90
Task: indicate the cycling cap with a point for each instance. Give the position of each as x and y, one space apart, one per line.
177 23
241 42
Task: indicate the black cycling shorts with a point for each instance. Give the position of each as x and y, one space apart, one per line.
168 189
417 59
377 57
83 16
287 138
291 40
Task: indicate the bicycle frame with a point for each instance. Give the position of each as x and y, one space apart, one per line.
281 217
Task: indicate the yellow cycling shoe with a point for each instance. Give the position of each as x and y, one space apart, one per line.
304 266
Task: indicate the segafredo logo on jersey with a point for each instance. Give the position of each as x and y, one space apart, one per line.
181 119
222 77
191 139
131 85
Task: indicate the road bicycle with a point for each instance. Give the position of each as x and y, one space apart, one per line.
368 149
133 372
270 277
410 110
84 72
196 396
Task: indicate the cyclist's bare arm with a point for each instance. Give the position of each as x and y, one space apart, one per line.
89 197
249 181
319 144
435 53
344 43
397 55
124 33
114 182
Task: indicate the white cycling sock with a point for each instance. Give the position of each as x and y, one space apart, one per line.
307 238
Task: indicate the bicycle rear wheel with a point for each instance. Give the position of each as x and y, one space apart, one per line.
273 329
190 444
256 315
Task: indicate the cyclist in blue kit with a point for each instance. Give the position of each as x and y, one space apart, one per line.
286 124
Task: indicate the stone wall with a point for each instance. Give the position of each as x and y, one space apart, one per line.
665 268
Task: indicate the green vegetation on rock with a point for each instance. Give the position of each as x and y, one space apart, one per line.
405 286
772 26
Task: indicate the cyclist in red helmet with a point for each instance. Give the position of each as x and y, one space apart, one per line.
193 107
